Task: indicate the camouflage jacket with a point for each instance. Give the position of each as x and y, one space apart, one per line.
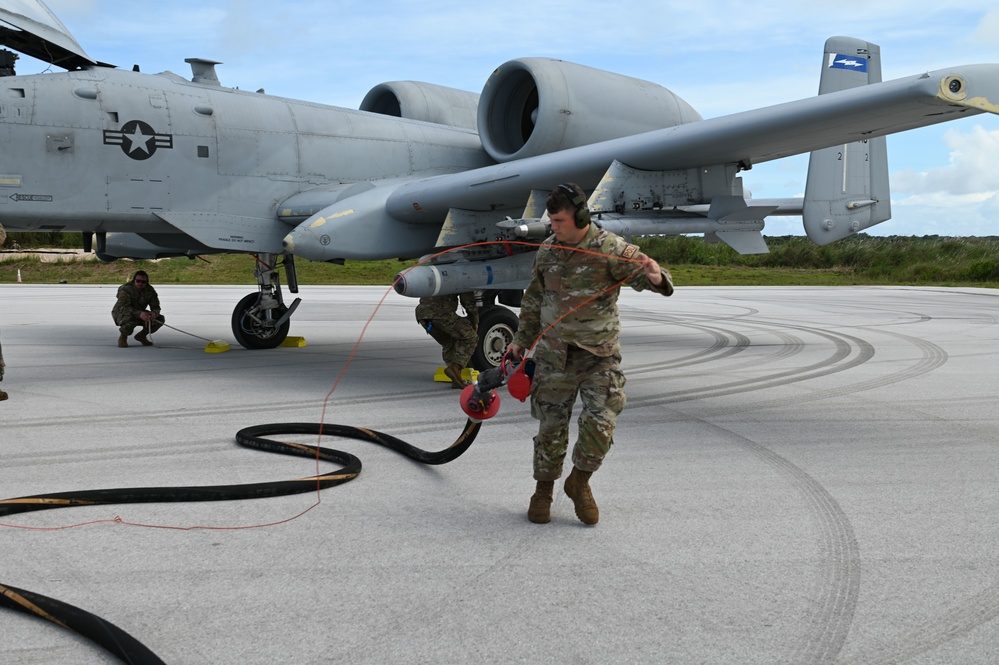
569 291
131 302
437 307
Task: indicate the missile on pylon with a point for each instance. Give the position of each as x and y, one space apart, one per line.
526 228
509 272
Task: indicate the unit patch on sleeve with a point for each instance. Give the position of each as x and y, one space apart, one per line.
629 251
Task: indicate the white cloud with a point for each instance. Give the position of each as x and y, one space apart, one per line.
958 198
972 171
928 215
987 31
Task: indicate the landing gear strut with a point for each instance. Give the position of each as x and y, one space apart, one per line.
261 320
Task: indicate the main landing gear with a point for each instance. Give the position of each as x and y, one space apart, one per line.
497 325
261 320
496 328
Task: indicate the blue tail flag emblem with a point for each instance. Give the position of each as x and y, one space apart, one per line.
850 62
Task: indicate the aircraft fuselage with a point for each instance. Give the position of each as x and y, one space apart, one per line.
107 150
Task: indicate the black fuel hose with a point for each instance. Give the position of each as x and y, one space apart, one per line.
90 626
121 644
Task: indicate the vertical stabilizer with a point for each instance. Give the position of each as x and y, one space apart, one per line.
847 189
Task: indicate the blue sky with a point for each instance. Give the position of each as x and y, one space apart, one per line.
722 57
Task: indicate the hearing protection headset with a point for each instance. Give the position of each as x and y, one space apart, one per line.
582 215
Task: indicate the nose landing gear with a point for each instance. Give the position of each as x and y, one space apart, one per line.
261 320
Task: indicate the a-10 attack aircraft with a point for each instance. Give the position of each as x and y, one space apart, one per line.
158 165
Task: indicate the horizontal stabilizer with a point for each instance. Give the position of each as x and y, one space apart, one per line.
731 210
744 242
735 209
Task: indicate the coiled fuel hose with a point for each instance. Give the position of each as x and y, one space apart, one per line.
117 641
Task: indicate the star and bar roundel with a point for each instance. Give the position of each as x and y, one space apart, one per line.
137 139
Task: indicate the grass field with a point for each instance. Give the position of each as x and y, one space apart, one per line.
793 260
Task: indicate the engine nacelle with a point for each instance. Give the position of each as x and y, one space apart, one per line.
428 102
533 106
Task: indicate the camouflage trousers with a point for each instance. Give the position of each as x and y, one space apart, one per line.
456 336
127 324
599 383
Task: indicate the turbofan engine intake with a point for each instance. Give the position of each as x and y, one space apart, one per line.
533 106
423 101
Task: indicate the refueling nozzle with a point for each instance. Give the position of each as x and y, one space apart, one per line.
480 401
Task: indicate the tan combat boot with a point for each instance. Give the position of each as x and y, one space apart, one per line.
577 487
142 339
540 510
453 372
122 341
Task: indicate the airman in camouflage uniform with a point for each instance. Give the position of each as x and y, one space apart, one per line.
456 334
570 309
137 304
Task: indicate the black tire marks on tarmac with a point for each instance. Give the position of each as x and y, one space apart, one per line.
838 583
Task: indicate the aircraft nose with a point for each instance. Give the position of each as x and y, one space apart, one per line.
310 240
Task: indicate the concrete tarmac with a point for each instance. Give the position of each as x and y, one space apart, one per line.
802 475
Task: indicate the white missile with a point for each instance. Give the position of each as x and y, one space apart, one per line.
511 272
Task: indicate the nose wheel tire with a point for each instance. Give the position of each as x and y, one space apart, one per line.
256 330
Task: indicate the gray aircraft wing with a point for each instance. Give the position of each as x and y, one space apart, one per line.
746 138
31 28
683 165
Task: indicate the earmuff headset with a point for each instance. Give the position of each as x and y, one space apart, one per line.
582 215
